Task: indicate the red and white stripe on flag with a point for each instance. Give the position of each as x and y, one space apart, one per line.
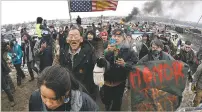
102 5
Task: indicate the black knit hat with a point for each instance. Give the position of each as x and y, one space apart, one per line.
39 20
118 32
158 43
187 42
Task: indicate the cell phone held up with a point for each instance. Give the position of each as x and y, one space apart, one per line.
116 55
112 42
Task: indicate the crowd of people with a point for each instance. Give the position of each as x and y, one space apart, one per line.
65 60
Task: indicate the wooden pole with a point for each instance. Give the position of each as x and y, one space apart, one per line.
69 6
198 21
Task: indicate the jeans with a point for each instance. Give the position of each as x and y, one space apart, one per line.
112 97
20 73
30 66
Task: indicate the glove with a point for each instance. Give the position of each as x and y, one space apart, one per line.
101 62
98 76
193 87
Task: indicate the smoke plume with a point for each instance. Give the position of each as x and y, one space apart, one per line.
176 9
179 9
154 7
133 13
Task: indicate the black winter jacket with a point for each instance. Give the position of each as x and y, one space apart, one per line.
4 66
36 104
83 63
117 73
26 51
148 57
62 39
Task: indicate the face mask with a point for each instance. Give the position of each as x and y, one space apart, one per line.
90 37
144 41
26 41
155 54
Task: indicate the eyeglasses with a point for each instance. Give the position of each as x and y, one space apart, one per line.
74 36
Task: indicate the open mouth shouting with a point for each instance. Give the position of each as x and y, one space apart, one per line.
74 45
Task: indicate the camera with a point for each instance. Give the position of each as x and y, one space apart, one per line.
14 55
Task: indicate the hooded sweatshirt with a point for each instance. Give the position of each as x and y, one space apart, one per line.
91 32
79 101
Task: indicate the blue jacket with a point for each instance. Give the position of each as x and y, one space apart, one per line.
18 51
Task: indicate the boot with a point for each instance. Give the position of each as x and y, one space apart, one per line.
18 81
36 70
23 77
13 90
31 75
12 104
31 79
107 107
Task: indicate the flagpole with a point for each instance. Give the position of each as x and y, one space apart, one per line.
198 21
69 11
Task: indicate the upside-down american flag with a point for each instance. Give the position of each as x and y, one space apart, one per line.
92 5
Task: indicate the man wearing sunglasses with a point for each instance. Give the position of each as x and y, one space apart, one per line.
79 56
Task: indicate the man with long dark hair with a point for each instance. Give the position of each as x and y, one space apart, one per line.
28 54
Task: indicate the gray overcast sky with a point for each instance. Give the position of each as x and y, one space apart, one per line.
20 11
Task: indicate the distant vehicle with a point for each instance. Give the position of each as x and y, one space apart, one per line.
138 35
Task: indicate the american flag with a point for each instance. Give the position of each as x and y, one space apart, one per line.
92 5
